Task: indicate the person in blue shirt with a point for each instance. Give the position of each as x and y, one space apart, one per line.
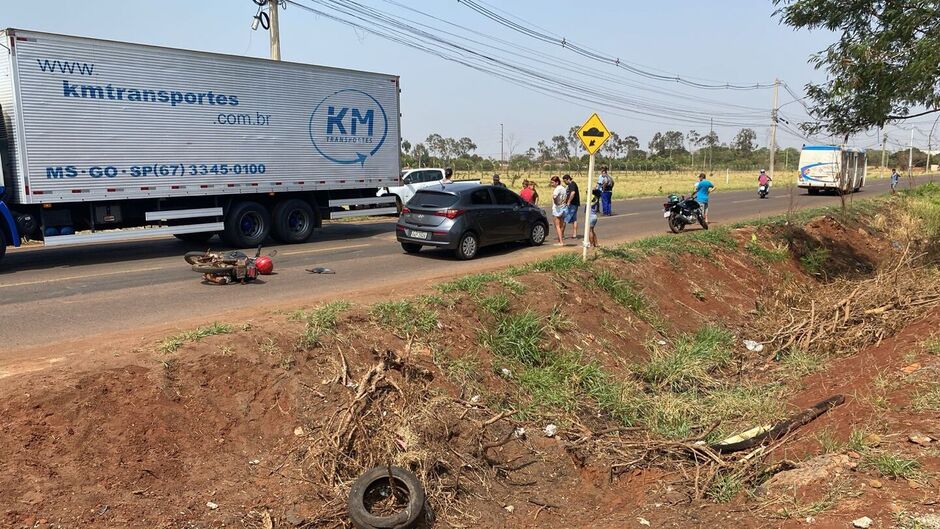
702 189
895 179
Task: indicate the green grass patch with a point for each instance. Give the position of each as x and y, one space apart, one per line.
405 318
767 255
495 305
564 381
562 262
690 362
932 345
724 487
518 337
472 284
927 400
798 363
829 443
892 466
814 261
173 343
318 322
622 291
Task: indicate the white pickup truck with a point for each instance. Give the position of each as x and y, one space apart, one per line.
410 181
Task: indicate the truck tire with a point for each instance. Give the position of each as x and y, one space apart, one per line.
3 243
247 225
293 221
194 238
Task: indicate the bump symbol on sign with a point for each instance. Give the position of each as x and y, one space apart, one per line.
593 134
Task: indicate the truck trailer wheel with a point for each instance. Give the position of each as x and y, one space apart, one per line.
3 244
247 225
294 221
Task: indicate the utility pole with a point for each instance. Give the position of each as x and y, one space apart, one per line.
884 141
274 31
502 159
910 159
773 127
711 140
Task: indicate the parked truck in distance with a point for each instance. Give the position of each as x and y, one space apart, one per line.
112 141
831 168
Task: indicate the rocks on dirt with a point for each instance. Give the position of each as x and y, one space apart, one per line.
298 431
907 370
927 521
550 430
875 484
862 523
815 470
643 521
212 505
920 439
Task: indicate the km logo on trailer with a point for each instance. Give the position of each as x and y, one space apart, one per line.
348 127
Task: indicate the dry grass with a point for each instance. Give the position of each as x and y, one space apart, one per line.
630 184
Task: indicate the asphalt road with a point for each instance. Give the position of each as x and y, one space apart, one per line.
50 295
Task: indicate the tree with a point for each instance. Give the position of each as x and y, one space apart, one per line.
693 138
883 65
612 148
630 145
560 144
745 141
574 141
420 153
464 146
666 143
436 145
544 150
710 140
405 146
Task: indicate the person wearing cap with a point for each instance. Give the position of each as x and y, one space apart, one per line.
496 181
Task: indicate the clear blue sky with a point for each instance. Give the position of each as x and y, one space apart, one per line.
727 40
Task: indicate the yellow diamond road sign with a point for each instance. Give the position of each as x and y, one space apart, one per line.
593 134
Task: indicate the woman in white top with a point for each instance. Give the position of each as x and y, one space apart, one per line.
559 208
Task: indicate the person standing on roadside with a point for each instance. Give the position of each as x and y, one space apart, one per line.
448 173
895 179
596 197
497 182
605 184
528 192
702 189
559 208
573 201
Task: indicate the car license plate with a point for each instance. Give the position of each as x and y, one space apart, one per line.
665 214
418 234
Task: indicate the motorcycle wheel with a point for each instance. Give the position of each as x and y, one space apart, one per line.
214 269
675 224
195 257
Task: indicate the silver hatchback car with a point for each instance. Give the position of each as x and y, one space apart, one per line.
467 216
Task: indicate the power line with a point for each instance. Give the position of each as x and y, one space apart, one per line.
387 26
601 57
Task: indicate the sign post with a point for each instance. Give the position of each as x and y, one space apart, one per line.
593 134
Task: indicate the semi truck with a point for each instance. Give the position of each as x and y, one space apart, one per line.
831 168
112 141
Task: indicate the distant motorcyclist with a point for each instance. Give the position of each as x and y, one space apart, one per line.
763 178
763 183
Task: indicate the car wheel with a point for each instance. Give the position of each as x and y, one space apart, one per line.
410 247
537 234
468 246
293 221
247 225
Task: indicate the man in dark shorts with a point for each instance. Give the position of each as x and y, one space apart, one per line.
574 203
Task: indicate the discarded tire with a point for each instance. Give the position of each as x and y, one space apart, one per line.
374 486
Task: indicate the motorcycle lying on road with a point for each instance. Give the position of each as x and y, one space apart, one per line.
230 267
762 190
681 211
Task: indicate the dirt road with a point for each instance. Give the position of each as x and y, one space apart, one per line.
50 295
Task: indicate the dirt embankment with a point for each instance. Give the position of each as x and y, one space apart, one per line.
554 395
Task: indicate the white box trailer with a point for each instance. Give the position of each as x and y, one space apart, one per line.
101 136
831 167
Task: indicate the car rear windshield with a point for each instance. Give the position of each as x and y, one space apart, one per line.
432 199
